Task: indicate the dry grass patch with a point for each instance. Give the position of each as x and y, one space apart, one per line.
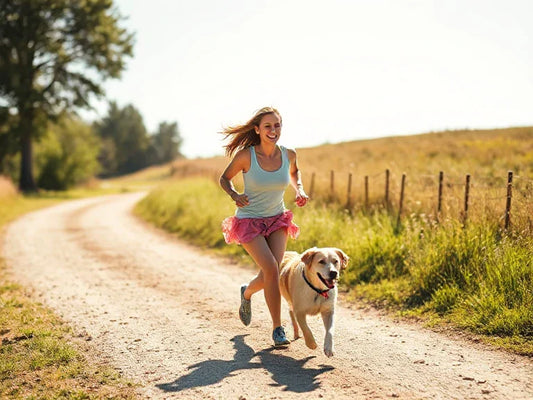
7 189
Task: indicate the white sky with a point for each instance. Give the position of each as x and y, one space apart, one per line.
337 70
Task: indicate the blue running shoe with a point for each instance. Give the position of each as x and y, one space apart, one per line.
279 337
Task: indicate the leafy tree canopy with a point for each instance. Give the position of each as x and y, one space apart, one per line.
67 154
55 55
167 142
127 146
125 140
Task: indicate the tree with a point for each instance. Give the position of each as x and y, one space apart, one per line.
166 142
8 144
54 55
125 141
67 154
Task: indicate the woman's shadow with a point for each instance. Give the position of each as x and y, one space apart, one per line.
287 372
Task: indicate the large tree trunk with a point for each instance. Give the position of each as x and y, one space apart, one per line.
26 182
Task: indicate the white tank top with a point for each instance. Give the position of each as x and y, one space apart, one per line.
265 189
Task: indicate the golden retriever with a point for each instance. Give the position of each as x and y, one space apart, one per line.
308 283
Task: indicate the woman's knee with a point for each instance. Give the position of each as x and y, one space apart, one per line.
270 271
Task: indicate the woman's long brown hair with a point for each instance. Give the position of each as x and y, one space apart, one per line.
243 136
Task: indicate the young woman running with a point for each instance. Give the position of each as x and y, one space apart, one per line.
261 223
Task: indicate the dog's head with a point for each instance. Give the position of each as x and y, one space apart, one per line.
325 264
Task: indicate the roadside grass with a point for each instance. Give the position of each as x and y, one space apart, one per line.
40 356
145 179
472 278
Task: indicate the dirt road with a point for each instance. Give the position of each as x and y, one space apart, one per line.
165 315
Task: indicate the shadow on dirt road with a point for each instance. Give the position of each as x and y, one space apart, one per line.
287 373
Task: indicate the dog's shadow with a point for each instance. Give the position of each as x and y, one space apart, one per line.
286 372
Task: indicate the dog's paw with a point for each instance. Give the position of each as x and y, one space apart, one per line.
296 332
328 344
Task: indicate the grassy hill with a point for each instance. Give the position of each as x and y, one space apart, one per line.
487 155
490 152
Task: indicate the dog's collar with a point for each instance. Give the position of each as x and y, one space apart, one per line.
323 293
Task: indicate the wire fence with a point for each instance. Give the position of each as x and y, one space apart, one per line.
506 199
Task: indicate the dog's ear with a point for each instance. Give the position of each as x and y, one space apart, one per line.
344 258
308 255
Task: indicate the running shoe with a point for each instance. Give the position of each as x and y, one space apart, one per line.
245 311
279 337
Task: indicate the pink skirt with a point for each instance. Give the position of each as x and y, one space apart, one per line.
242 230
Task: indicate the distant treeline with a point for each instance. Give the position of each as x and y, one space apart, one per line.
70 151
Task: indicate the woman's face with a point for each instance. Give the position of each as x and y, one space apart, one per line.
269 128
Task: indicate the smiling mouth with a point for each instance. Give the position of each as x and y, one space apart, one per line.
330 283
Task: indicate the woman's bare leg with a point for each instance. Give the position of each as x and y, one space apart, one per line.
268 279
277 242
255 285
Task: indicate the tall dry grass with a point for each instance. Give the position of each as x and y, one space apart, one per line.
486 155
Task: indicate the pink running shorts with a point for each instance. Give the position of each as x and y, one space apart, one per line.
242 230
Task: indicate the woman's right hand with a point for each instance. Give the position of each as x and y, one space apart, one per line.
240 200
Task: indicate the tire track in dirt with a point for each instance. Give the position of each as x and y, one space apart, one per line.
164 313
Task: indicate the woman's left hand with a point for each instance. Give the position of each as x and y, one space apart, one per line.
301 198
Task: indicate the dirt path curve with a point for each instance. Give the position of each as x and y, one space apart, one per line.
165 315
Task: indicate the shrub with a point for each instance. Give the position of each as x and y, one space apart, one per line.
66 155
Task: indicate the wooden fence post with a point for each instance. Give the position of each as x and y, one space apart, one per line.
509 197
441 179
387 176
467 195
312 185
349 195
401 202
366 191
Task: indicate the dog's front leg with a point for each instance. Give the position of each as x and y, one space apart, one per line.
294 325
327 318
308 335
